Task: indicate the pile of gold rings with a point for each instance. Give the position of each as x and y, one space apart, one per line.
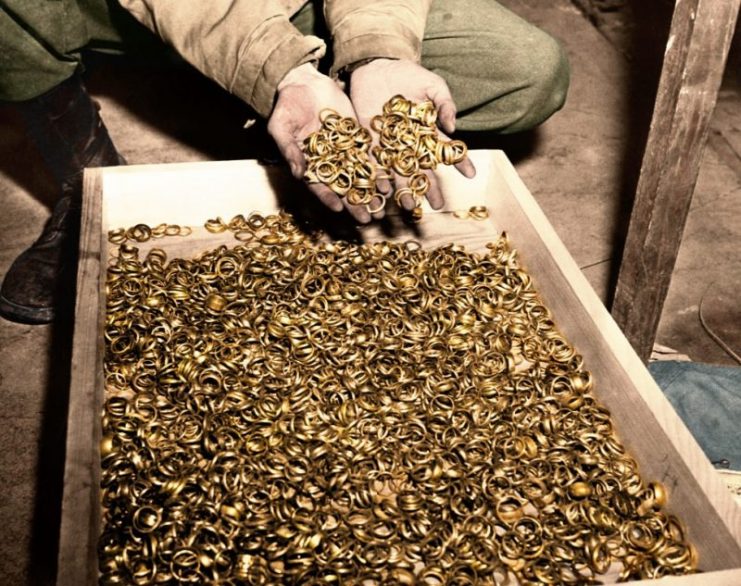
472 213
290 411
409 144
338 155
142 233
244 229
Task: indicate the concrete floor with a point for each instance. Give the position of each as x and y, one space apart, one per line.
578 166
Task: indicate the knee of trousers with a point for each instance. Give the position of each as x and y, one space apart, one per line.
546 92
539 76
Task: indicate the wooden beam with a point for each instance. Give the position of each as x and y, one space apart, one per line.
79 529
696 52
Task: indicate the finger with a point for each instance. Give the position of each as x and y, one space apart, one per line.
465 167
290 150
446 110
326 196
407 200
446 115
383 178
360 213
383 185
434 195
375 205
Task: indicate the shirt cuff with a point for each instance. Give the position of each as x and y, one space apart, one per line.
399 43
266 60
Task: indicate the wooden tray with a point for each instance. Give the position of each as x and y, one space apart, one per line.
190 193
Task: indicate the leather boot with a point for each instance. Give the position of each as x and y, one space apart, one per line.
65 126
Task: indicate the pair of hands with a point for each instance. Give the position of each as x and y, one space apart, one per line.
304 92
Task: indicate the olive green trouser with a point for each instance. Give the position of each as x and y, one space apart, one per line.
505 74
41 41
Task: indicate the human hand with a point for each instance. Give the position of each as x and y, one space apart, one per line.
374 83
302 94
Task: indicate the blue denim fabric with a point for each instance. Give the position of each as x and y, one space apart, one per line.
708 399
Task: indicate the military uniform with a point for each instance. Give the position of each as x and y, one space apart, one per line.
504 74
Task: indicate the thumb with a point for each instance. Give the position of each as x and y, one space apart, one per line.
290 150
446 110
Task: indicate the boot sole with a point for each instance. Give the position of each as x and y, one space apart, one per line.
25 315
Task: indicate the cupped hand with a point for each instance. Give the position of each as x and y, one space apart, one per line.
302 94
374 83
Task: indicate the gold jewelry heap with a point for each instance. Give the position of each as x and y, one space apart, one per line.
295 412
338 156
409 144
143 233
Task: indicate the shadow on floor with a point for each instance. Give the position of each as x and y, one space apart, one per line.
23 164
42 566
179 102
518 147
646 43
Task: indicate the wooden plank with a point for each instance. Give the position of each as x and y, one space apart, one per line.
77 558
697 49
644 419
722 578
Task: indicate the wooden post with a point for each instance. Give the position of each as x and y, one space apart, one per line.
696 52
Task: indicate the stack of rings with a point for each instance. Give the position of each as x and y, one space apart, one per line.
410 144
472 213
292 411
142 233
338 154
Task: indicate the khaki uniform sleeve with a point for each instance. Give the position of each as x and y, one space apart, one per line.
246 46
383 28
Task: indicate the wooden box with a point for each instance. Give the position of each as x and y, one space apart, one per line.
189 194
